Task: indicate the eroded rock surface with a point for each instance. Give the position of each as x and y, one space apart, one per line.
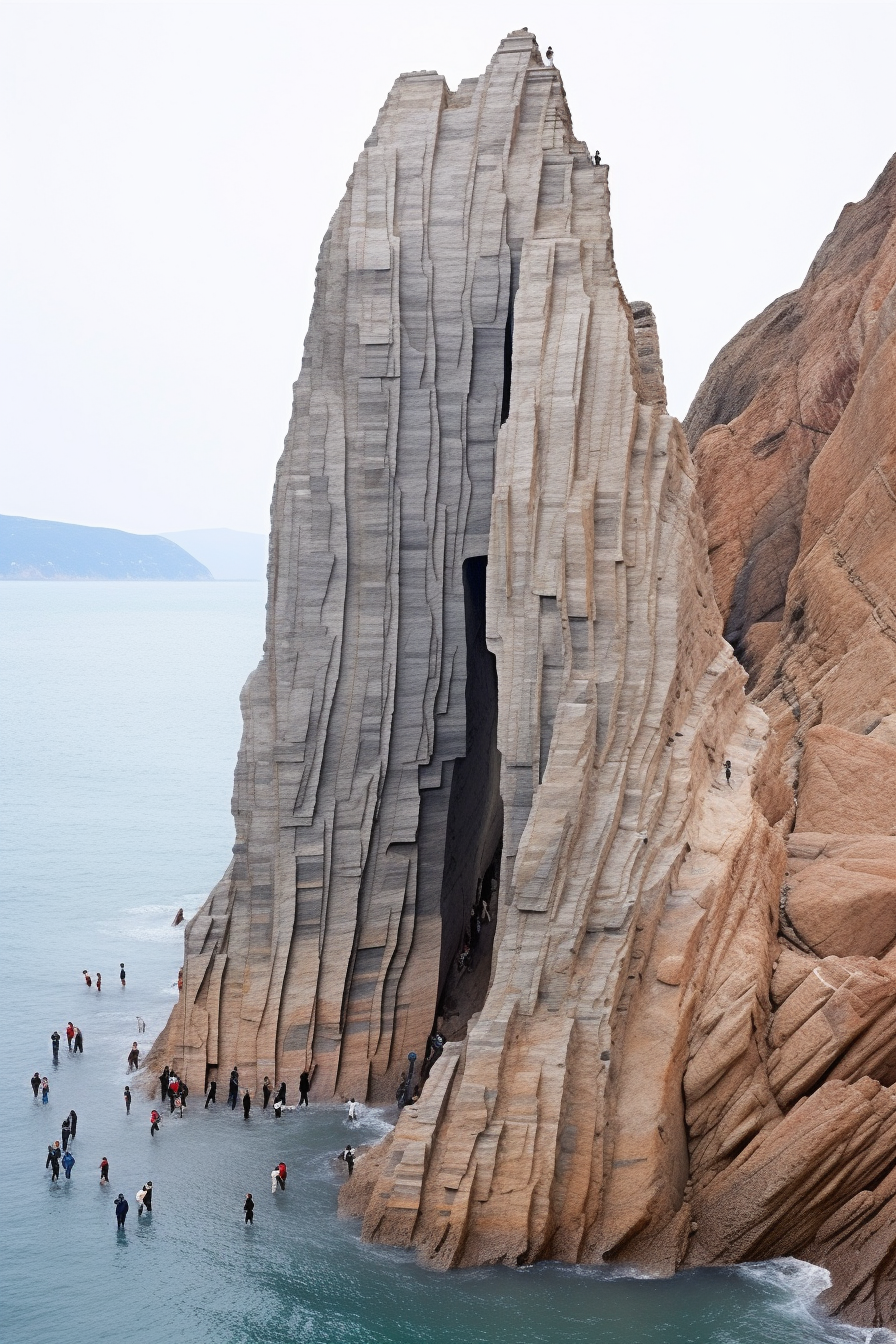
817 1180
495 666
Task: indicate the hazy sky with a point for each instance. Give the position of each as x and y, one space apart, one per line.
168 171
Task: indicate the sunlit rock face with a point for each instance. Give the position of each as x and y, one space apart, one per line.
495 669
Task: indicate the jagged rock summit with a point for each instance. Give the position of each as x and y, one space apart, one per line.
498 772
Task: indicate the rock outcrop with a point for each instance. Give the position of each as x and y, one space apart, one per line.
495 672
806 576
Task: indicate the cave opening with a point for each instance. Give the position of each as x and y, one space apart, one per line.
473 835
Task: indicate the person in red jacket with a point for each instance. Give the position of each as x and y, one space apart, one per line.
154 1119
281 1175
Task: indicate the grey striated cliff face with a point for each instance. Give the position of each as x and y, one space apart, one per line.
494 668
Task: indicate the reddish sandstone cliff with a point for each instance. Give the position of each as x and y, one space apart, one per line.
806 578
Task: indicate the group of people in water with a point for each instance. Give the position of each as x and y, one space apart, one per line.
60 1157
88 979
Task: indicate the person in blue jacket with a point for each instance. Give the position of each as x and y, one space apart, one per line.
68 1161
121 1209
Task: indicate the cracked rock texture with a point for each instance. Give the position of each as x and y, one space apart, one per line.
494 645
806 577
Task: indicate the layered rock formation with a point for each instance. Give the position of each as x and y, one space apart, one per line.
806 577
494 652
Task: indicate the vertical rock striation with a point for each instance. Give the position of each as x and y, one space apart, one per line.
494 651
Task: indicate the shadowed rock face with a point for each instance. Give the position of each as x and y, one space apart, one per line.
492 640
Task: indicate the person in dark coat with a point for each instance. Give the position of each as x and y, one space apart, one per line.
73 1121
249 1208
233 1094
265 1092
212 1098
247 1104
348 1157
281 1094
55 1039
66 1133
79 1041
163 1079
304 1085
121 1209
127 1099
147 1196
35 1084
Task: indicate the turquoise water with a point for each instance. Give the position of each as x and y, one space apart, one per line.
120 729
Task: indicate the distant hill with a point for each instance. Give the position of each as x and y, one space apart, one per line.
228 554
32 548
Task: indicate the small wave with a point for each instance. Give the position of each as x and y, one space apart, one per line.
798 1285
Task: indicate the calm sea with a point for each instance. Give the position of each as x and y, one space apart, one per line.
120 728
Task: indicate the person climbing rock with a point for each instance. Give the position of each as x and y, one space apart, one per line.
249 1208
154 1121
247 1104
728 773
104 1171
596 159
549 56
127 1100
304 1087
265 1092
68 1161
348 1157
211 1099
121 1210
35 1083
55 1039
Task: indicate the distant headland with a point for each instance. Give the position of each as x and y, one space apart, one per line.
34 548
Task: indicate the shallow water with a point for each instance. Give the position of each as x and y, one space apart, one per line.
120 728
